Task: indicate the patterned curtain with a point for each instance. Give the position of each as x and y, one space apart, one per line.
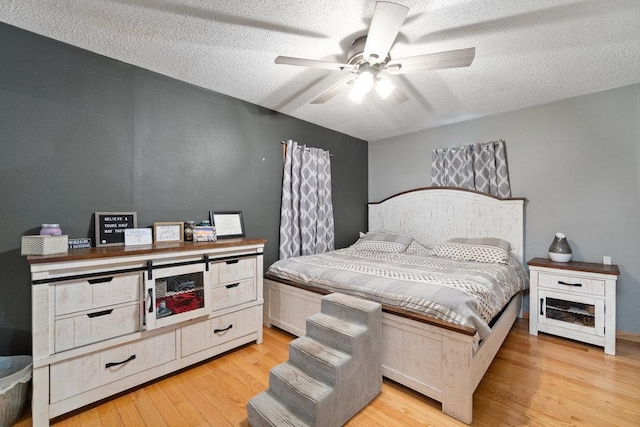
481 167
306 212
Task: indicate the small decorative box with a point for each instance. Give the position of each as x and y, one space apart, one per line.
80 242
204 233
44 245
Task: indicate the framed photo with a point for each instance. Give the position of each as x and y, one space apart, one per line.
168 231
228 224
110 226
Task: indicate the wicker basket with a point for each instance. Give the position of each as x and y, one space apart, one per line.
44 245
15 374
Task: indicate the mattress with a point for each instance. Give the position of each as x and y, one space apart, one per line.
464 293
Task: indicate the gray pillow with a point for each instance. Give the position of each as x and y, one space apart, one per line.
419 247
481 249
382 241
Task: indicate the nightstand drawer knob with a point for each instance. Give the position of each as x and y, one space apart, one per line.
569 284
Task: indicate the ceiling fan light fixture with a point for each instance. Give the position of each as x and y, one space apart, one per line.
362 85
369 59
384 86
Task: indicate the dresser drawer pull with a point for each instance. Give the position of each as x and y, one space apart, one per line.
233 261
233 285
109 365
100 313
215 331
579 285
100 280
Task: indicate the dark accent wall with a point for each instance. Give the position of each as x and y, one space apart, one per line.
81 133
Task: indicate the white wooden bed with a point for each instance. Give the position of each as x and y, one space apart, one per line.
430 356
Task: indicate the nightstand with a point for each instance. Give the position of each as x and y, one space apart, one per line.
575 300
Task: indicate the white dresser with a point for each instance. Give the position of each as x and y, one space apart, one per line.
108 319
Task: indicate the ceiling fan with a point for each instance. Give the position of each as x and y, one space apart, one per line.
370 62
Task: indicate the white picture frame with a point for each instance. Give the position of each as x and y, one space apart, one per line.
168 232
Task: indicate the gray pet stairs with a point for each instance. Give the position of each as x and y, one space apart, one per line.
332 372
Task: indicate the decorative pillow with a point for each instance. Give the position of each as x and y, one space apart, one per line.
418 247
482 249
380 241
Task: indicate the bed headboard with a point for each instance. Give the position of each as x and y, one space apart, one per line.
436 214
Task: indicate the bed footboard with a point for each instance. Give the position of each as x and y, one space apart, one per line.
436 362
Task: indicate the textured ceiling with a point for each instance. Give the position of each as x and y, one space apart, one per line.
527 52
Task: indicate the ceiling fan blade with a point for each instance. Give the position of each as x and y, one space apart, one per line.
385 25
433 61
333 91
397 97
313 63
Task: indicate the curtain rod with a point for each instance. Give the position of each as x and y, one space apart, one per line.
305 147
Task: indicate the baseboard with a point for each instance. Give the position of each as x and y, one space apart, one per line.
628 336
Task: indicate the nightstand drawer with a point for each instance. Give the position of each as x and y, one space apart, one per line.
571 283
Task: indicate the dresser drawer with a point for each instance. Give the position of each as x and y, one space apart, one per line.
232 294
76 376
216 331
232 270
94 326
88 294
571 283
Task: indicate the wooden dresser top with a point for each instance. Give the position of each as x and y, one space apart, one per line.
119 251
590 267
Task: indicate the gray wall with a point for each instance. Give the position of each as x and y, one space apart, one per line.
81 133
576 161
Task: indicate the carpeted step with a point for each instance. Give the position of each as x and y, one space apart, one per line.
317 359
298 391
265 410
334 332
332 372
350 308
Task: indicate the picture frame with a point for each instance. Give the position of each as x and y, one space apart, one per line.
228 224
109 227
168 232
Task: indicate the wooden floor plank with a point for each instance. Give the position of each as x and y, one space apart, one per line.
170 402
216 391
127 409
147 409
109 416
90 418
207 409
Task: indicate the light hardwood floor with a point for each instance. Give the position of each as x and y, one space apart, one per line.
536 381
